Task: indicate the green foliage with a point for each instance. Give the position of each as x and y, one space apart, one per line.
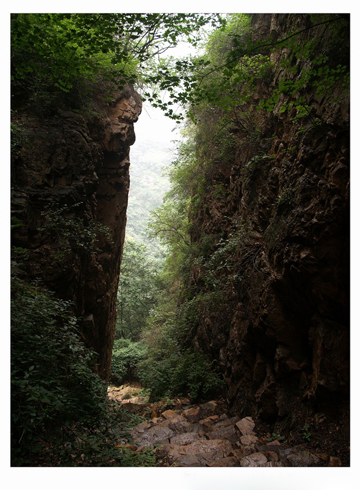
226 76
222 41
285 198
167 372
314 68
223 258
61 415
139 286
125 358
276 437
94 445
62 53
57 54
169 223
193 376
15 222
71 232
234 64
169 368
54 54
306 432
53 382
191 82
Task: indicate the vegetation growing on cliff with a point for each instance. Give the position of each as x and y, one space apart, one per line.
214 254
57 54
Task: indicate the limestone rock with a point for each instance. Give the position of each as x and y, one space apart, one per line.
200 453
185 438
180 424
272 456
227 432
239 453
140 428
216 441
274 464
302 459
157 434
169 414
224 462
209 421
222 448
246 425
255 459
248 440
192 414
334 461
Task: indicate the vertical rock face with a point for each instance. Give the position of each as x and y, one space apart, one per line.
282 333
70 182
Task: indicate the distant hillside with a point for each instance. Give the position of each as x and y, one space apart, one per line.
148 185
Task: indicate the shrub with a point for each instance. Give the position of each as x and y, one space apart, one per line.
193 376
52 380
187 374
168 371
125 358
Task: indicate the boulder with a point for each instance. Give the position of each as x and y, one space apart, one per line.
157 434
302 459
255 459
209 421
198 453
248 440
192 414
246 425
333 461
180 424
224 462
228 432
185 438
169 414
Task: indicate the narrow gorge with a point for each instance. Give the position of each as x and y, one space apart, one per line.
257 285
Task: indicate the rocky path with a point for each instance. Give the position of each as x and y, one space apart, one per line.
205 435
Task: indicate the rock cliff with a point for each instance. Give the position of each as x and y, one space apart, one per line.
70 182
280 203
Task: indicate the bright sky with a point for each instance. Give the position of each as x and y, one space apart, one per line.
153 124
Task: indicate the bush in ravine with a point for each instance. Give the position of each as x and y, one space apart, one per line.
188 374
169 372
194 377
53 385
125 358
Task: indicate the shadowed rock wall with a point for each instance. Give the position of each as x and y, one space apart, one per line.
281 335
70 182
